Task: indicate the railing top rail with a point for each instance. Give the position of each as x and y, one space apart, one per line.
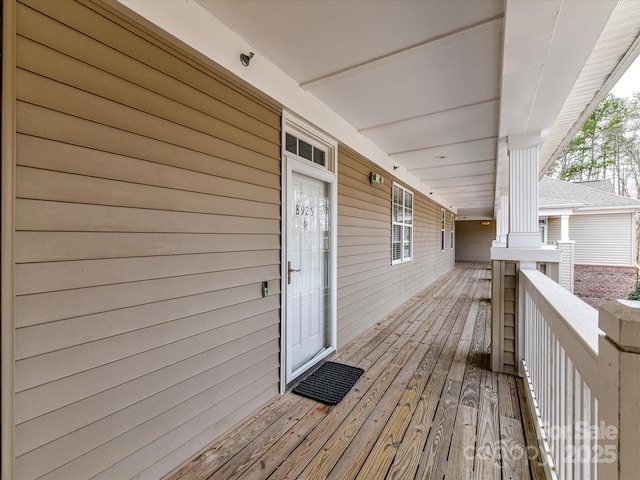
562 306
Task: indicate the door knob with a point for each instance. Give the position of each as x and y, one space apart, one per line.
289 270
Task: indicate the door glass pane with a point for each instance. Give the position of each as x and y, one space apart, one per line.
291 144
318 156
308 289
305 150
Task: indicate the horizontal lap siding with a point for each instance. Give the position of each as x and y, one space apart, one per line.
369 287
473 240
603 239
147 216
554 233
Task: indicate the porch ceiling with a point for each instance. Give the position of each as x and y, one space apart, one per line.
433 84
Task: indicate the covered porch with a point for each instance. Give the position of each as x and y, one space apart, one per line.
427 406
147 194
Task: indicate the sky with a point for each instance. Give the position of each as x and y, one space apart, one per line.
630 81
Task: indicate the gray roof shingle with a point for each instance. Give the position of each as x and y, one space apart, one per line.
556 193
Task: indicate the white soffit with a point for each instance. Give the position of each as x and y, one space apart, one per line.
618 46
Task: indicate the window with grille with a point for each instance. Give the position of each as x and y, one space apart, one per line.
305 150
542 228
402 225
452 231
443 237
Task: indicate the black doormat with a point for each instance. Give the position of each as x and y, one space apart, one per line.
330 383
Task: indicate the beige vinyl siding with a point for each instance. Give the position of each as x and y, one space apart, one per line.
603 239
473 240
369 287
504 307
510 308
147 216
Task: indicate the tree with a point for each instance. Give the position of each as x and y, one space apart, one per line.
595 151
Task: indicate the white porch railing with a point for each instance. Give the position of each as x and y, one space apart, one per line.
584 384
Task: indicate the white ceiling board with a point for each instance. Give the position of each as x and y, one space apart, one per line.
455 72
467 201
461 180
462 152
518 94
529 30
313 38
459 125
460 189
453 171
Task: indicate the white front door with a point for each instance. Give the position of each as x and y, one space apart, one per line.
308 271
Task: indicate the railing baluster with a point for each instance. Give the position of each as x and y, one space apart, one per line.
586 443
594 443
569 420
579 418
562 368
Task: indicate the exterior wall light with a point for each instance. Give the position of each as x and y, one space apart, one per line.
245 59
375 178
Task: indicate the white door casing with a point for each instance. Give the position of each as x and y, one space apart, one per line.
308 255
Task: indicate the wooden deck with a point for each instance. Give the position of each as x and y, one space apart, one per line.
426 407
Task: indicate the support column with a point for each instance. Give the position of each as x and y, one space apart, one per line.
566 276
502 221
564 228
523 249
523 191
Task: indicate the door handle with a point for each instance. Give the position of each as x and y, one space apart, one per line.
289 270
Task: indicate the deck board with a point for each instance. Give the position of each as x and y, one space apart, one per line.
426 407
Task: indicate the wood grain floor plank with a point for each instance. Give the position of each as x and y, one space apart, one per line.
463 444
427 405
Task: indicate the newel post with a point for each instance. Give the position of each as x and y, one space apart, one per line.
619 391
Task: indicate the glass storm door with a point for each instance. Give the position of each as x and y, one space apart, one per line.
308 271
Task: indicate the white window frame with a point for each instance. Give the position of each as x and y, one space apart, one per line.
452 231
543 228
443 241
402 224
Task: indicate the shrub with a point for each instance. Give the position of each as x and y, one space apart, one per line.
635 295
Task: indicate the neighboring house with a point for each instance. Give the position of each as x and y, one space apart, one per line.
603 227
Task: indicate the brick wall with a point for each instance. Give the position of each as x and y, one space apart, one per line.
598 285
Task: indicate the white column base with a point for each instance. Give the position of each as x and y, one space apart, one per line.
524 240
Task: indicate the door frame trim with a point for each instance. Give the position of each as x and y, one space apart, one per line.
8 181
329 175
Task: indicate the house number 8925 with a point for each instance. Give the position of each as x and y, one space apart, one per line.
304 211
